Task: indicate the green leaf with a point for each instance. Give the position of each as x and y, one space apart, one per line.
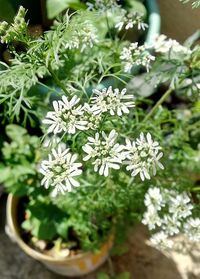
124 275
62 228
7 11
5 173
102 275
55 7
136 6
15 132
46 230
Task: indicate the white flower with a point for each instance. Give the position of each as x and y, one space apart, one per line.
112 100
171 224
59 171
136 55
104 151
163 45
192 229
153 198
65 117
92 115
142 156
151 218
161 240
130 20
83 37
180 206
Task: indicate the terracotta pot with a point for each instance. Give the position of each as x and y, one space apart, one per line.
77 265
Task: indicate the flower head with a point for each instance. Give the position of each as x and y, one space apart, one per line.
65 117
112 100
154 198
136 55
106 154
180 205
142 156
163 45
130 20
192 229
161 239
59 171
83 37
152 219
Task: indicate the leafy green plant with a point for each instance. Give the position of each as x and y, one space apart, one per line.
105 147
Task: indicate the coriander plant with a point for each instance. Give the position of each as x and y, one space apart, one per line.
108 156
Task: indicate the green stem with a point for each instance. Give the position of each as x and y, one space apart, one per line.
162 99
57 81
111 268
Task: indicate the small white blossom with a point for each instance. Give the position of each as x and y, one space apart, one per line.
130 20
180 206
171 224
154 198
84 37
104 151
163 45
112 100
142 156
151 219
192 229
161 240
65 117
136 55
59 170
92 115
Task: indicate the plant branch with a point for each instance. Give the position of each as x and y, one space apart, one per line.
162 99
57 81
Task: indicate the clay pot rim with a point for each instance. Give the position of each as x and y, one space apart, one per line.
11 205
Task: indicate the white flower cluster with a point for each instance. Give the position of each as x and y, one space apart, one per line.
140 156
68 116
102 5
59 170
163 45
136 55
105 152
112 101
130 20
169 212
83 37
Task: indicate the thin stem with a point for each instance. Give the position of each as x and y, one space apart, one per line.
108 25
111 268
57 81
162 99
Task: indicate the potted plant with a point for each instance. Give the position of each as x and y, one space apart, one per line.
104 153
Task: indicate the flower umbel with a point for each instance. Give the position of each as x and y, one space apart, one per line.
142 156
136 55
104 151
59 170
65 117
131 20
164 45
112 100
169 213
